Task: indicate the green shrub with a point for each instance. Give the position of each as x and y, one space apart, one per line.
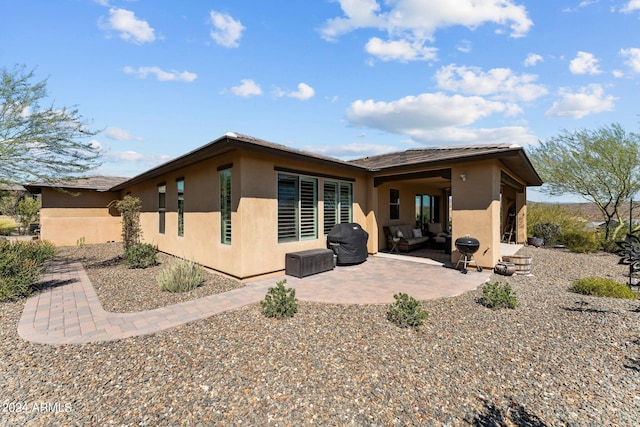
406 312
548 232
580 241
182 276
496 296
7 226
141 255
280 302
21 264
601 287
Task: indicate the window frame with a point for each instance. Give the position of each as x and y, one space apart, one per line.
337 210
162 208
297 216
180 207
394 204
225 180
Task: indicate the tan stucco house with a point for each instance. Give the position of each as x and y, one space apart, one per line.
239 204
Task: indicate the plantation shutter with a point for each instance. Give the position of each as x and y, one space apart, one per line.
308 208
330 206
346 196
287 206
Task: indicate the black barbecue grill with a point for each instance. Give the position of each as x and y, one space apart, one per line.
467 246
349 242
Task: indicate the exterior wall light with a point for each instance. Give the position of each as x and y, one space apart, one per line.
463 176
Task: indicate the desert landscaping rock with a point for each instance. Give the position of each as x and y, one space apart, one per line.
558 359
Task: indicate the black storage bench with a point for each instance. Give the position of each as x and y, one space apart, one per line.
306 263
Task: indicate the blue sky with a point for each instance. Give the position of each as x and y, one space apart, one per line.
345 78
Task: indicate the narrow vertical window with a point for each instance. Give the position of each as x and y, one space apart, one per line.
162 207
287 208
330 205
225 206
308 208
180 188
394 204
346 201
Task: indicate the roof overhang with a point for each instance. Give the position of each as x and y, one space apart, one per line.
231 142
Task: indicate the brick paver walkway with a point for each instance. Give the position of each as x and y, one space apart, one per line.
69 311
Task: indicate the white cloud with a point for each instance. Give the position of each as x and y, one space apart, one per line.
120 134
161 75
415 115
633 58
354 150
532 59
135 157
303 93
399 50
226 31
589 99
247 88
409 24
584 63
631 6
131 28
498 83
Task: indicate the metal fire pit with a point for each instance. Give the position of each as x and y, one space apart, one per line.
467 246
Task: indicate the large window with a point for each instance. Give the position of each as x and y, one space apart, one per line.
427 210
225 206
338 200
297 208
162 207
180 188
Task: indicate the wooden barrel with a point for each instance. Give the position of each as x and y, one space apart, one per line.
522 263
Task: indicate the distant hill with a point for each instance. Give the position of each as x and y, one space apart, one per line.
589 212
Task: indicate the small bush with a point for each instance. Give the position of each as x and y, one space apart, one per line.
21 264
601 287
406 312
182 276
548 232
18 277
496 296
280 302
141 255
7 226
580 241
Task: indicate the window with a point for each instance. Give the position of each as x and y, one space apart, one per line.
338 198
162 207
180 188
427 209
394 204
297 208
225 206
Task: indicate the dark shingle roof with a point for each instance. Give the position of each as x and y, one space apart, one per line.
429 155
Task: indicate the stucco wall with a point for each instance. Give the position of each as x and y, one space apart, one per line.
254 249
65 218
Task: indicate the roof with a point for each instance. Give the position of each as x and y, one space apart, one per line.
232 141
513 156
96 183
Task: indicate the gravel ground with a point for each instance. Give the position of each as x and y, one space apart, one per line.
124 290
558 359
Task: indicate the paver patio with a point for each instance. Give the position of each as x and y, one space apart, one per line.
68 311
